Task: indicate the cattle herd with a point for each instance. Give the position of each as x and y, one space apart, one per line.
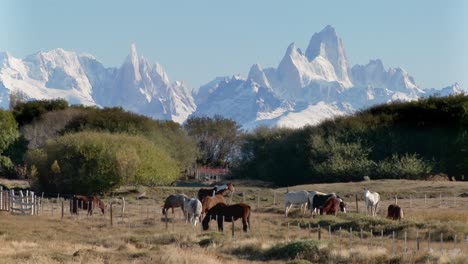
210 205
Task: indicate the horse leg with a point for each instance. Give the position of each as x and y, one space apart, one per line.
220 223
286 208
244 224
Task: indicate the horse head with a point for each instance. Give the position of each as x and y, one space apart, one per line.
231 187
206 221
342 206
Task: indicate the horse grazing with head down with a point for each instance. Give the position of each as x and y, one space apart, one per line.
193 210
211 201
317 202
217 190
333 205
86 203
228 213
395 212
174 201
372 201
295 198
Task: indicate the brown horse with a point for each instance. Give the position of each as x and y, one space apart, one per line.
228 213
332 206
86 203
395 212
211 201
202 193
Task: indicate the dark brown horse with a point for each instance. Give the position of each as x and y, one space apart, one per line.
332 206
395 212
211 201
217 190
86 203
228 213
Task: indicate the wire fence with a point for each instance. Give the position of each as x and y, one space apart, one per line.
147 213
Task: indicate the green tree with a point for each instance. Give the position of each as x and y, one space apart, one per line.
8 134
26 112
217 139
95 162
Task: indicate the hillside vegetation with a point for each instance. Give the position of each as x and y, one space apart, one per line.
398 140
56 146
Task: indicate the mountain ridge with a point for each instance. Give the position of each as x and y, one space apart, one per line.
305 88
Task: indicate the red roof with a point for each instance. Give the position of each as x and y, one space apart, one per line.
208 170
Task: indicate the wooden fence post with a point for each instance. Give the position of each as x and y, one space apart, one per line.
417 240
318 232
1 198
111 215
258 199
62 209
357 206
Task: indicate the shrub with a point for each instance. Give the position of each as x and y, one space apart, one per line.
308 250
408 166
91 162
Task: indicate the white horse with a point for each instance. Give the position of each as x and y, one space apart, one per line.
372 201
193 210
295 198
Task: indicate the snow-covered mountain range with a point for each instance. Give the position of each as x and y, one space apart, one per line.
81 79
305 88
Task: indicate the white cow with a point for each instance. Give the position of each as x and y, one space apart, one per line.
295 198
193 210
372 202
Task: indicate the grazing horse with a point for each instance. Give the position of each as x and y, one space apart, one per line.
317 201
193 209
395 212
211 201
174 201
298 198
372 201
333 205
86 203
228 213
202 193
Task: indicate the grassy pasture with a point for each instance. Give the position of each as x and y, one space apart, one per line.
142 235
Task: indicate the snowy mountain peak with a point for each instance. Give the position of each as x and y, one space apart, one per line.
293 50
257 75
328 45
133 61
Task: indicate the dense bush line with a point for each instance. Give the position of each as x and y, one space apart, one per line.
399 140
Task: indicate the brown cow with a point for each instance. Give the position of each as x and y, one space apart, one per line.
86 203
395 212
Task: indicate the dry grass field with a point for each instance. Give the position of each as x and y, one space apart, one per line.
436 215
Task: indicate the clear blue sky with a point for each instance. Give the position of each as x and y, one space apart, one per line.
196 41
